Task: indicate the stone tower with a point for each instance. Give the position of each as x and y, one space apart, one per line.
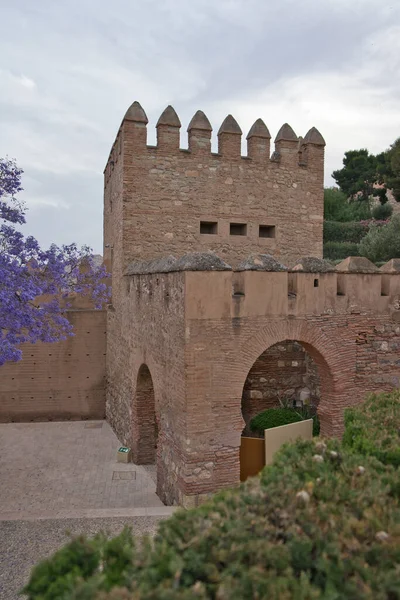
162 200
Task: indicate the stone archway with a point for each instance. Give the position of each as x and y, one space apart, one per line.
336 365
284 375
144 420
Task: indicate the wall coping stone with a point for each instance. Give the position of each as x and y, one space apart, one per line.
261 262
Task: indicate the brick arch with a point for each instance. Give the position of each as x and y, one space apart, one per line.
335 363
280 372
144 421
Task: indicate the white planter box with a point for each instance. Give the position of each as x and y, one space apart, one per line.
277 436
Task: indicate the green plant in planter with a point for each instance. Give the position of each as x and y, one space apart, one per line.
275 417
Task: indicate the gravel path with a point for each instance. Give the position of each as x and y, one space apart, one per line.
24 543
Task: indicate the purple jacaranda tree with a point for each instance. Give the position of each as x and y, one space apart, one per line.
35 284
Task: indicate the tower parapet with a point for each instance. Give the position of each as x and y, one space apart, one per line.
229 138
199 132
258 141
289 149
162 200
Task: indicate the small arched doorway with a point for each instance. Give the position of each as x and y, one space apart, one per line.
144 421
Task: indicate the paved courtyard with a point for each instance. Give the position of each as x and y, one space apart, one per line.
61 479
70 470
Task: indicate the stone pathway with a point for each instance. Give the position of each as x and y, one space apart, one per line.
64 477
70 469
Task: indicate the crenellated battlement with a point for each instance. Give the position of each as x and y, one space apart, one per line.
261 286
289 149
163 199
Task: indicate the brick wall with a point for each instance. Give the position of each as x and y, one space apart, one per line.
65 380
150 332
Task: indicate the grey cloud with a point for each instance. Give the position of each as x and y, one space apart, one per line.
89 59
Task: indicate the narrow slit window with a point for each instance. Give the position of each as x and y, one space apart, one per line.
266 231
385 285
238 229
209 227
340 286
316 282
292 285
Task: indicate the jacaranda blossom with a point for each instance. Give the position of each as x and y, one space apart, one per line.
27 273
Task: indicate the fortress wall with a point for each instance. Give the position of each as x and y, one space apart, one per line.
64 380
173 201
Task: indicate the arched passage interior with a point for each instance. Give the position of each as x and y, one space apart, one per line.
144 426
285 374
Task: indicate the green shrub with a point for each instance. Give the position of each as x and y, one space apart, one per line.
340 250
353 231
275 417
79 560
309 528
381 212
382 242
338 208
374 428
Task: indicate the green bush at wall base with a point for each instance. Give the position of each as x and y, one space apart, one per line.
275 417
340 250
374 428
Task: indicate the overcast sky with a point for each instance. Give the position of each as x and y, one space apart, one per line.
69 70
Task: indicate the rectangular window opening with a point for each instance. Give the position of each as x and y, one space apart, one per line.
238 229
209 227
340 287
238 285
385 285
292 285
316 282
266 231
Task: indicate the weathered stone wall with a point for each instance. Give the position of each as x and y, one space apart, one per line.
151 332
200 333
201 347
65 380
166 200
